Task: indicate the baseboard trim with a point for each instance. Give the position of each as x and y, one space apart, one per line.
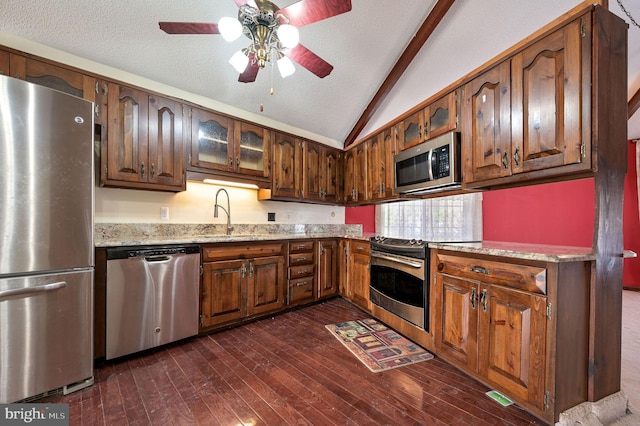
630 288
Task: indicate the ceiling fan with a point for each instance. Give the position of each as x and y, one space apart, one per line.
273 34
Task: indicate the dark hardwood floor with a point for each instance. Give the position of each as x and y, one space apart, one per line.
283 370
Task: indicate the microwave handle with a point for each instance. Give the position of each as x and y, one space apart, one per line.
429 165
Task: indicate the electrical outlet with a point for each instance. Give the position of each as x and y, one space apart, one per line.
271 217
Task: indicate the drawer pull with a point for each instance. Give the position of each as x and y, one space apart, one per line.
479 270
303 272
302 284
360 248
301 259
301 247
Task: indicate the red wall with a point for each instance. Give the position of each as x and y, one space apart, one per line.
366 215
631 222
558 213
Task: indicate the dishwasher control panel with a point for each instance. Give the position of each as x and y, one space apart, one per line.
147 251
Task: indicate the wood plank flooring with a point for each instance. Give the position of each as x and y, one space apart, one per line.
285 370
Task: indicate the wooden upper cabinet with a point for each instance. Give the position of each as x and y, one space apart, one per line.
220 143
547 101
437 118
251 149
311 184
145 144
210 136
4 62
52 76
331 171
486 130
380 171
355 179
166 141
530 117
286 173
127 152
441 115
412 130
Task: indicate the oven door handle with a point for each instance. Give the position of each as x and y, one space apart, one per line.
413 264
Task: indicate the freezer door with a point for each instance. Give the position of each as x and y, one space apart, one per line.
46 184
46 333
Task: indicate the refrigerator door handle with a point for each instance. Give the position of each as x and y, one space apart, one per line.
31 290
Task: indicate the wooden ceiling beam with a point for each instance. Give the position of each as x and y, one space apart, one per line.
426 29
634 104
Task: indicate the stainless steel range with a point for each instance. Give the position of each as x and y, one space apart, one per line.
399 274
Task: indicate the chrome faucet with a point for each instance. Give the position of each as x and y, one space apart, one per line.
227 210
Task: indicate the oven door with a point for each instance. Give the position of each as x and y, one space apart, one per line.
398 285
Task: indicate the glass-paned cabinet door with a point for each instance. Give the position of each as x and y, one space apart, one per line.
442 115
252 146
210 135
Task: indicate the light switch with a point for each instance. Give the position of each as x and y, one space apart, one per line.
164 213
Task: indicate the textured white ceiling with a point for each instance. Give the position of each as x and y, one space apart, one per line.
362 45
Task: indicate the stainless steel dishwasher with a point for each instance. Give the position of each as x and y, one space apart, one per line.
152 296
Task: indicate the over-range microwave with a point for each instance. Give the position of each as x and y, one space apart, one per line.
432 165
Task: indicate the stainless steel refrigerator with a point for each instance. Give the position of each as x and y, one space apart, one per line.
46 241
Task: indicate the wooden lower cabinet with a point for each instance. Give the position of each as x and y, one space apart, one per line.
357 272
520 326
251 283
301 284
327 268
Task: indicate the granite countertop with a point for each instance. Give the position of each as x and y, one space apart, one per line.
135 234
541 252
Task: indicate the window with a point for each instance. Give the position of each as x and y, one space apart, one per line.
452 218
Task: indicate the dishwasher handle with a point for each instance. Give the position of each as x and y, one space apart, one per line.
157 259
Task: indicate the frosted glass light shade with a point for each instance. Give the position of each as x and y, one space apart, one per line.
230 28
239 61
288 35
285 66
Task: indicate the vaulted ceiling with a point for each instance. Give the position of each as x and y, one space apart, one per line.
363 45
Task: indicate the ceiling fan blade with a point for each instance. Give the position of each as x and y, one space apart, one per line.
189 28
310 60
306 12
250 73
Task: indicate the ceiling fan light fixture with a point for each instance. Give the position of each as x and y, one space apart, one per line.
286 67
229 28
288 36
239 61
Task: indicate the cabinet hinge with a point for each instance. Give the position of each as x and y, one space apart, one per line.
201 270
106 171
583 150
457 119
549 310
583 28
189 158
201 321
547 400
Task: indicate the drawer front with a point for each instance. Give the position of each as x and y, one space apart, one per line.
359 247
301 271
522 277
247 250
300 289
300 259
301 246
